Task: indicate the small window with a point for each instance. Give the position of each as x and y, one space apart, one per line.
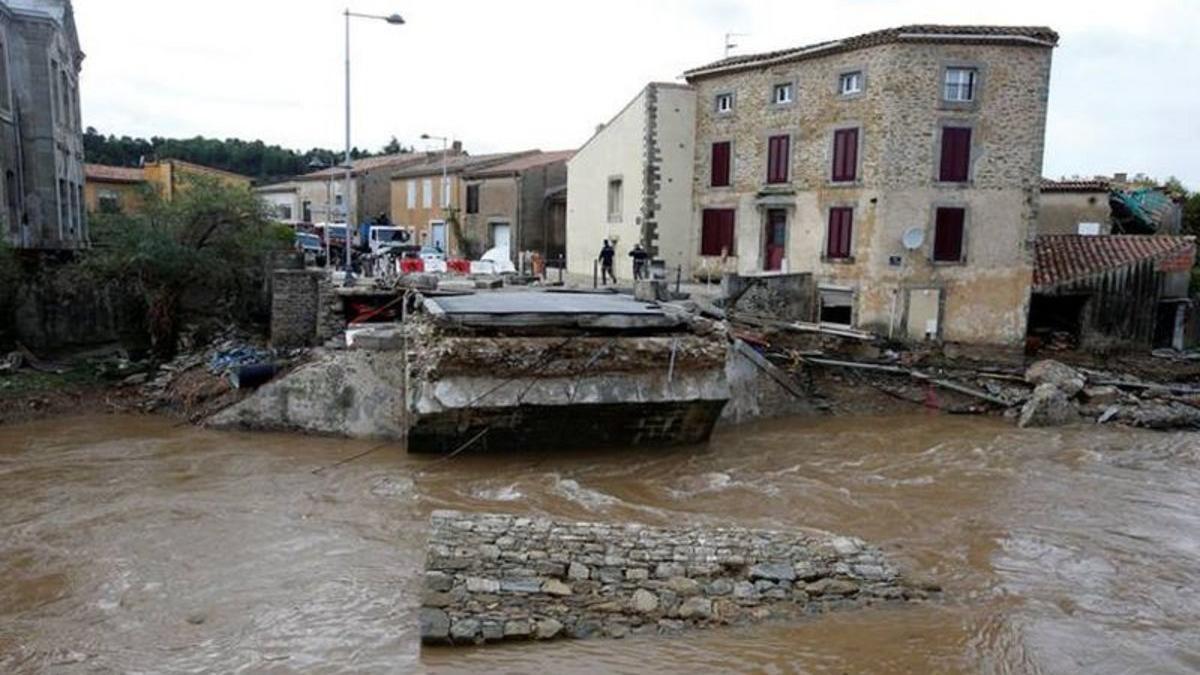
948 234
65 89
721 161
850 83
782 93
473 198
778 158
716 234
724 103
960 85
412 194
841 233
283 211
108 201
845 155
837 306
615 199
956 155
306 211
427 193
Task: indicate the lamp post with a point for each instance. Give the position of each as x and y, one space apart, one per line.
395 20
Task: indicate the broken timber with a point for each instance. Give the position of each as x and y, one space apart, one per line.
914 374
769 368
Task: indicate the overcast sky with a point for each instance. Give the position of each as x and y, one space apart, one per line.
516 74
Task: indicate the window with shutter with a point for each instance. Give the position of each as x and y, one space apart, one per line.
716 235
778 159
948 234
956 155
473 198
721 163
841 233
845 155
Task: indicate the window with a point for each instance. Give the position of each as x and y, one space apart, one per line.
427 193
615 198
63 208
845 155
960 85
473 198
65 89
306 211
850 83
956 155
841 233
778 158
721 159
54 89
724 103
837 305
948 234
412 193
108 201
4 101
716 233
782 94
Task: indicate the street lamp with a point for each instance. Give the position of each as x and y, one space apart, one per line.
395 20
445 186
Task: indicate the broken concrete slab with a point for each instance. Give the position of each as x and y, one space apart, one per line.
1049 406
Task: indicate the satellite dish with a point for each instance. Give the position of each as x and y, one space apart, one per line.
913 238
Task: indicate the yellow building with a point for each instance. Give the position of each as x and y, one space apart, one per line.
421 200
114 189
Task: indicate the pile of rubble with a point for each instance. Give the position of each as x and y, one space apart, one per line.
1064 395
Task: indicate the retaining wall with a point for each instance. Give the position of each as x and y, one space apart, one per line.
496 577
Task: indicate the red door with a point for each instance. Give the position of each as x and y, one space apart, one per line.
775 239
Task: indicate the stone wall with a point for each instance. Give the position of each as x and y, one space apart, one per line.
502 577
787 297
305 310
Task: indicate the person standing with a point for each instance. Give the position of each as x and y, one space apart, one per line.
607 252
640 258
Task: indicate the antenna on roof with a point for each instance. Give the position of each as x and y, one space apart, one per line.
730 44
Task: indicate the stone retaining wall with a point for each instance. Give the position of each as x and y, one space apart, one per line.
500 577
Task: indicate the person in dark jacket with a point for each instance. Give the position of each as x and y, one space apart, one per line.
640 262
607 252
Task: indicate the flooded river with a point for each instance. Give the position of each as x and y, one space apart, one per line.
132 544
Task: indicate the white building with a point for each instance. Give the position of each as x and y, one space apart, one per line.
632 182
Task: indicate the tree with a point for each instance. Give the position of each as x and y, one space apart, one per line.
1191 214
212 238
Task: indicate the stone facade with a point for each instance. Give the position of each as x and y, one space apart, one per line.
493 577
41 139
648 148
517 199
305 310
899 113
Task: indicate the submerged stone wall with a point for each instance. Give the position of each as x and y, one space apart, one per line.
496 577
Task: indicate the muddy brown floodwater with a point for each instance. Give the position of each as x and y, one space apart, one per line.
130 544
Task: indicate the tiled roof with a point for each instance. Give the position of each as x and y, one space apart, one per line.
1066 258
369 164
457 163
915 33
526 162
113 174
1075 185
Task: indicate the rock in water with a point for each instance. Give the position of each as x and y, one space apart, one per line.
1048 407
1067 379
435 624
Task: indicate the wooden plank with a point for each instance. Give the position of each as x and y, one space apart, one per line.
769 368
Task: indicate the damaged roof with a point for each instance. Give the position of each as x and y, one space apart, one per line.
1013 35
1067 258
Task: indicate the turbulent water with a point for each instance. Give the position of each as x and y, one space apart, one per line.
130 544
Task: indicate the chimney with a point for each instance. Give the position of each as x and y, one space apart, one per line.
456 148
1121 177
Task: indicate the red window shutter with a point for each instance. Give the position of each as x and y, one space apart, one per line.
778 158
841 231
948 234
956 155
716 234
845 155
720 164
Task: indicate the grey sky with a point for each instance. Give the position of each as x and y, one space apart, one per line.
1125 94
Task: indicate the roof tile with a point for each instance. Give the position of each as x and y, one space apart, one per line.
1066 258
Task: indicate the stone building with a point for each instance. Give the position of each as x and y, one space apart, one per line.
431 207
631 183
41 137
519 204
901 168
1074 207
319 197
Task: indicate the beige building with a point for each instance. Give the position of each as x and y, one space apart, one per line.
1074 207
900 168
519 204
116 189
319 197
631 183
428 196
